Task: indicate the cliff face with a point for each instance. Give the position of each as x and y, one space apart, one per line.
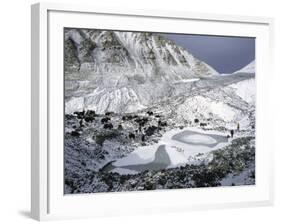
124 71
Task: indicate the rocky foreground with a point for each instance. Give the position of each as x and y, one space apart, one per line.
92 141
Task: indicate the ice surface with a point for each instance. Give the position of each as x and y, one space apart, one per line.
197 138
179 153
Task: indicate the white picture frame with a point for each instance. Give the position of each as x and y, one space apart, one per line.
47 198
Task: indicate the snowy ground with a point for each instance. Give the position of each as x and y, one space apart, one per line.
188 146
182 146
240 178
187 80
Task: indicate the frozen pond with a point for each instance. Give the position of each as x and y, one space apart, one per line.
176 147
161 161
195 138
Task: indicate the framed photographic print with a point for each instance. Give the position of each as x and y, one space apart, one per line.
148 111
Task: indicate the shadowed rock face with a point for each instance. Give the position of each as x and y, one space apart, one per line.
124 71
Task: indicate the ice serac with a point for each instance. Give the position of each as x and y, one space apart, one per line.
124 71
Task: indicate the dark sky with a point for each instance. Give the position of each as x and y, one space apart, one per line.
225 54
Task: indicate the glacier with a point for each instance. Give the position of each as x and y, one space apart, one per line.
127 94
130 70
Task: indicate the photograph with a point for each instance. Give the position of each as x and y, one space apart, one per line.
157 111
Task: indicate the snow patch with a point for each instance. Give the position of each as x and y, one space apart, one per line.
204 139
179 153
142 155
250 68
206 106
246 89
187 80
123 171
74 104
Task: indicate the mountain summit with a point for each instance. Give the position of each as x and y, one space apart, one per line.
250 68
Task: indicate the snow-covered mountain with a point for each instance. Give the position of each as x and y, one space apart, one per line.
180 113
125 71
250 68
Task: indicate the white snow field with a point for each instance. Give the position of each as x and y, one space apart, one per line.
142 155
187 80
246 89
197 138
206 106
181 146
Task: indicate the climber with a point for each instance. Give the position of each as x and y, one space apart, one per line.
231 133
